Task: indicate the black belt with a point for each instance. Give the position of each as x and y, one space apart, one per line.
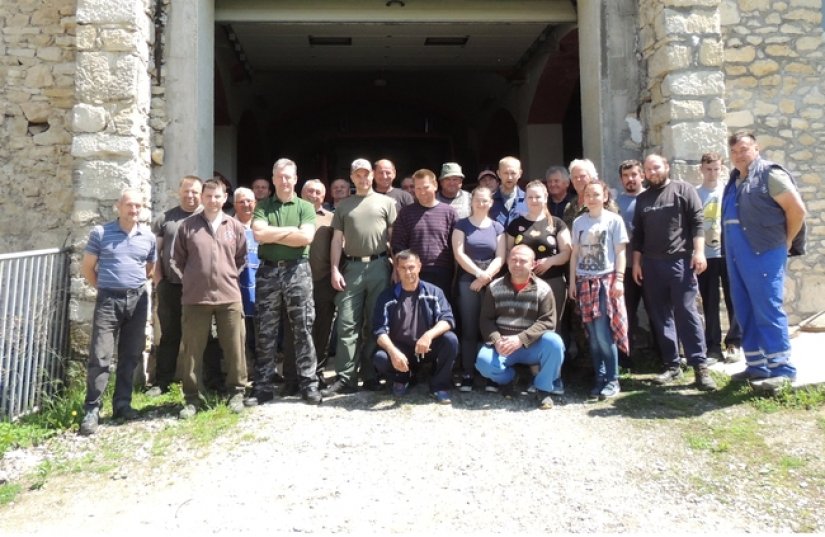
366 258
283 263
123 292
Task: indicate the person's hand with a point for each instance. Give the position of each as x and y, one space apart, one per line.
542 266
637 274
338 282
698 262
399 361
479 283
507 345
617 289
422 346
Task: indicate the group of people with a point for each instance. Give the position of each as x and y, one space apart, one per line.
471 283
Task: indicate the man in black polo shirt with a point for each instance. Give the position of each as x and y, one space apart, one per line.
284 226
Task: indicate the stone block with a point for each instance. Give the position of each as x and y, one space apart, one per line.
689 3
806 139
105 76
711 53
36 112
694 22
802 156
754 5
735 70
761 68
811 16
39 76
739 119
86 37
110 12
800 68
787 106
740 55
130 122
104 146
105 179
694 83
808 44
670 57
762 108
684 141
779 50
119 40
791 29
716 108
88 118
53 136
158 156
51 54
814 97
729 13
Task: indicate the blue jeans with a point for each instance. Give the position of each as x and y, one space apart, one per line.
603 350
123 313
547 353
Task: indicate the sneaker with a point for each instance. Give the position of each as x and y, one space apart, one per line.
372 385
188 412
236 403
532 389
312 396
156 391
90 422
259 397
545 400
466 385
733 354
611 389
125 413
288 389
442 397
671 374
714 357
507 390
339 387
399 389
491 387
704 381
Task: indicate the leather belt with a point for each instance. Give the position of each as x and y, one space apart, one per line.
283 263
366 258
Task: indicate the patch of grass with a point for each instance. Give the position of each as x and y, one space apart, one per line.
209 424
789 462
740 434
804 398
9 492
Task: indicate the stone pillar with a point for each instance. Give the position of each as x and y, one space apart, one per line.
684 110
111 144
189 81
611 127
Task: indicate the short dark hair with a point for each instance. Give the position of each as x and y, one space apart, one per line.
424 173
738 136
214 183
710 156
628 164
404 255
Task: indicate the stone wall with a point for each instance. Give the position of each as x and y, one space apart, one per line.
110 121
37 67
775 86
683 106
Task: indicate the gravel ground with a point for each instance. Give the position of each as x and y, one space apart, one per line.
366 463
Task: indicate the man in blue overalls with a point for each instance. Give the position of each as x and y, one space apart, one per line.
763 222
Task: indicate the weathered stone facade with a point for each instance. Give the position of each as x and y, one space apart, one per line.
37 87
775 86
84 110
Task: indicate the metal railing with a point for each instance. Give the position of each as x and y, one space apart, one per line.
34 327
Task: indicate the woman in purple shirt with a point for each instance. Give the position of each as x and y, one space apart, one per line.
478 247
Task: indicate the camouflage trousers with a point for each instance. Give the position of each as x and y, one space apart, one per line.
289 286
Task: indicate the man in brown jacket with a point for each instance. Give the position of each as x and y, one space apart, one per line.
517 324
209 252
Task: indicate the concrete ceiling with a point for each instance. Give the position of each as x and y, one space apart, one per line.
332 35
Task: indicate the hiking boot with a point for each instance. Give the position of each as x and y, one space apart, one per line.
90 422
339 387
704 381
491 387
466 385
545 400
399 389
442 397
288 389
259 397
188 412
312 396
611 389
236 403
125 413
671 374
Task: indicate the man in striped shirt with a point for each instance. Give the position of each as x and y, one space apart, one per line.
117 260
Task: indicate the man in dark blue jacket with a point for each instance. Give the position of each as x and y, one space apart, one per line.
763 219
413 322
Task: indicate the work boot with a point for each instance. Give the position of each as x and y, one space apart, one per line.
704 381
671 374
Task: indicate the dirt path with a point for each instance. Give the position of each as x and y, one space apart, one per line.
364 464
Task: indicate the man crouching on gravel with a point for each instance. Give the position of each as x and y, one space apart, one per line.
516 322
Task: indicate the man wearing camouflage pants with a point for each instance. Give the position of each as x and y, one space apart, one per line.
284 226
